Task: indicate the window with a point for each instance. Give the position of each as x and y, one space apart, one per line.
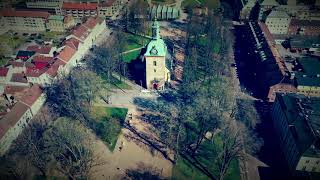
304 168
307 161
154 70
155 63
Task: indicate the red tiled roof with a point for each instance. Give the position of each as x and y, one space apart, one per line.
3 71
66 54
14 13
39 49
91 23
42 59
12 117
14 89
73 43
79 6
81 32
21 64
36 72
31 96
19 77
53 70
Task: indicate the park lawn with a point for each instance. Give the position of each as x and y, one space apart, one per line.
3 61
12 41
208 151
128 57
116 83
109 123
183 170
49 35
135 41
216 46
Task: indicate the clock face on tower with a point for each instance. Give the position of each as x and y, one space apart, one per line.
153 51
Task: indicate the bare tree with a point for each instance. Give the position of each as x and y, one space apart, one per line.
232 146
70 147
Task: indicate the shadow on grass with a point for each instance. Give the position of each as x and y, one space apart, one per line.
108 124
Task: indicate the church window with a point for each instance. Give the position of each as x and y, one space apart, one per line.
154 70
155 63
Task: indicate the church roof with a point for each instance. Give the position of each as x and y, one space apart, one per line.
156 47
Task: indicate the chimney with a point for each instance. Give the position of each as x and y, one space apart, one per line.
292 75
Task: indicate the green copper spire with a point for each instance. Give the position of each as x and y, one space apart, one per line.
155 29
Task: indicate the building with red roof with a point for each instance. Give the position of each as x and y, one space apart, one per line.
4 74
66 54
79 9
12 124
24 20
46 50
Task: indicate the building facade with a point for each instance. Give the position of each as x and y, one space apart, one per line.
79 9
295 121
156 70
25 20
44 4
58 23
109 8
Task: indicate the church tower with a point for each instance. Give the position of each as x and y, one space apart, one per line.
156 72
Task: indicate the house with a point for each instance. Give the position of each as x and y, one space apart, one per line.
296 121
46 50
12 124
14 93
34 21
25 55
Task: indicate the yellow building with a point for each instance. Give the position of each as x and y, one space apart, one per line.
109 8
59 23
157 72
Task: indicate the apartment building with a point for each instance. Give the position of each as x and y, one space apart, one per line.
12 124
296 121
79 9
278 22
109 8
24 20
44 4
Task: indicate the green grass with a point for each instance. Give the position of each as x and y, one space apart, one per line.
131 56
10 42
3 62
48 36
109 123
183 170
207 153
135 41
116 83
216 46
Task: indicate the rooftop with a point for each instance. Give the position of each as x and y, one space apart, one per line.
11 118
278 14
79 5
31 96
19 77
66 54
14 13
312 23
3 71
310 72
302 114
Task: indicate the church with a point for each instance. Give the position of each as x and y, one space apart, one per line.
157 73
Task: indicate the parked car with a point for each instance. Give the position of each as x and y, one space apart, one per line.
25 34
